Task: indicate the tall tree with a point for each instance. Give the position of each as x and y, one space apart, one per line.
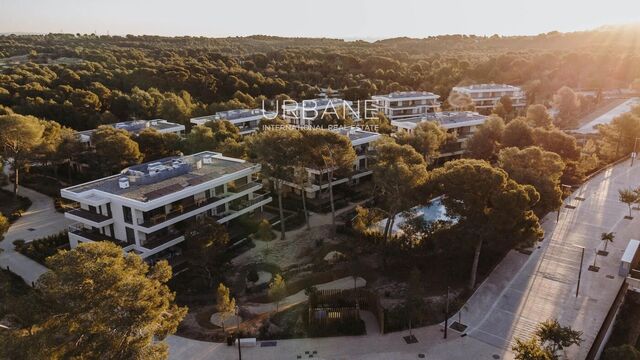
517 133
274 150
568 105
486 203
538 168
426 139
332 154
155 145
485 143
100 303
207 241
539 117
114 149
414 300
19 137
399 173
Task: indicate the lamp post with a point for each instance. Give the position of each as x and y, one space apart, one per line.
580 268
446 314
633 154
238 331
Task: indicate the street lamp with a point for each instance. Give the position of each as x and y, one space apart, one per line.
634 153
238 331
446 314
579 269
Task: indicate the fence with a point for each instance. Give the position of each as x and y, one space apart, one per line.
326 306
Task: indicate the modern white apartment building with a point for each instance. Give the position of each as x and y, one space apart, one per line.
145 208
318 181
136 126
486 96
305 112
463 123
406 104
246 120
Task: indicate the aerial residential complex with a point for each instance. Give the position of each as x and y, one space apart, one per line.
318 181
406 104
136 126
304 113
462 123
486 96
246 120
145 208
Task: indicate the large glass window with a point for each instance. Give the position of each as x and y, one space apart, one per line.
128 215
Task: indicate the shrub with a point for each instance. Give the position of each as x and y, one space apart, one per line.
40 249
252 275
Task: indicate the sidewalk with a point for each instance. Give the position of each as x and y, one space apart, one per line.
40 220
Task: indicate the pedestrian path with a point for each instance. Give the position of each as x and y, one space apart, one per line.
40 220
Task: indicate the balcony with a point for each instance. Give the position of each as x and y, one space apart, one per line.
162 241
88 217
241 205
92 235
192 207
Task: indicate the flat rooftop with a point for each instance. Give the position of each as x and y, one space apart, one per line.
237 114
357 135
321 102
153 180
408 94
136 126
489 87
447 118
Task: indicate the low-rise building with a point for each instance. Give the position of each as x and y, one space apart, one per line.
146 207
406 104
246 120
304 113
463 123
486 96
317 183
134 127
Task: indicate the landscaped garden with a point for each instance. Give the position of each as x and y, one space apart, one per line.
40 249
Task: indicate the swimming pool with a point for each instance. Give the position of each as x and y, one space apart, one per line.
431 212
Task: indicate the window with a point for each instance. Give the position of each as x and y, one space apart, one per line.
131 237
219 190
128 216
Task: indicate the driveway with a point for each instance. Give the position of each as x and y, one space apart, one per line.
40 220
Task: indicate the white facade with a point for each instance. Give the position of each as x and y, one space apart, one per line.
486 96
246 120
406 104
136 126
362 142
463 123
307 111
142 207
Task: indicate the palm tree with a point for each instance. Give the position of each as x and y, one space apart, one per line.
607 238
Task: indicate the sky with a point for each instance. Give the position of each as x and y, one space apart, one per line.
348 19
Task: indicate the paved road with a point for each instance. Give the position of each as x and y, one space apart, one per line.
589 128
41 219
522 291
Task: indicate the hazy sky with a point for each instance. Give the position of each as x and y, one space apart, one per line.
328 18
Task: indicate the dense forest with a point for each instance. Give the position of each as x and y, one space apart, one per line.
82 81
